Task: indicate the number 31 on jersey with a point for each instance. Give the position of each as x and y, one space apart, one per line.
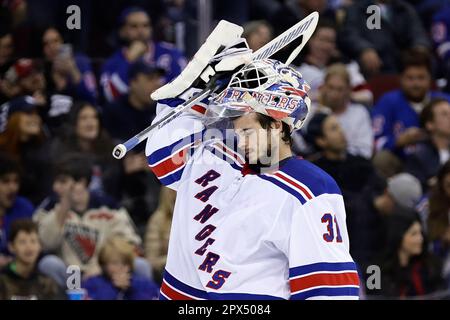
329 218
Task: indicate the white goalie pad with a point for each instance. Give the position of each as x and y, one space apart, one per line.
224 35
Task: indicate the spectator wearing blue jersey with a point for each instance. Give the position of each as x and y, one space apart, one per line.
136 34
118 281
67 73
69 78
395 118
440 34
12 206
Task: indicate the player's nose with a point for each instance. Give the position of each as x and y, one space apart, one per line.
242 143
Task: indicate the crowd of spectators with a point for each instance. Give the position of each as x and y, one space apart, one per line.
379 125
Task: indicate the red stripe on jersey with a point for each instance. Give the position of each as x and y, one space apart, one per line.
307 194
172 294
232 154
199 108
324 279
171 164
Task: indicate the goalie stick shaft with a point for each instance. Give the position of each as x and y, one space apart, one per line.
121 149
303 28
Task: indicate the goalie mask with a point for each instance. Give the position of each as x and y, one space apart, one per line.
268 87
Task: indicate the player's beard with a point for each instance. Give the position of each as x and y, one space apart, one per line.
259 166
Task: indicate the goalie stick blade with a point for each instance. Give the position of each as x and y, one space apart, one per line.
303 28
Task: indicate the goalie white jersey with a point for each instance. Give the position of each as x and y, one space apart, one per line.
280 235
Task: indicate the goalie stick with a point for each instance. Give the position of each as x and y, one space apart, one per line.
303 28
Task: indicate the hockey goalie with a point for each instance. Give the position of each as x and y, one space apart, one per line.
251 220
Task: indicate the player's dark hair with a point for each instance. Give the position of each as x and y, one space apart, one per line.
266 122
25 225
8 165
75 166
427 114
416 58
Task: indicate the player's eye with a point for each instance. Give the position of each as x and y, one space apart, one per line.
248 132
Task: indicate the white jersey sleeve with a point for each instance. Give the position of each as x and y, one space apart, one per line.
168 149
319 263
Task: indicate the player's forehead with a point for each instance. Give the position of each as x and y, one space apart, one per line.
246 122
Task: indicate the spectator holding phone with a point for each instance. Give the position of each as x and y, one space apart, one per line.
136 33
67 72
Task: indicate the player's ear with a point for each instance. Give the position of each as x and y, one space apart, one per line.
276 125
